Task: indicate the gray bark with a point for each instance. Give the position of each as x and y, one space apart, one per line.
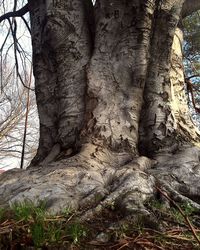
109 96
61 50
158 129
119 63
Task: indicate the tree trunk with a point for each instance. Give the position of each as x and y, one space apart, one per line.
114 121
61 50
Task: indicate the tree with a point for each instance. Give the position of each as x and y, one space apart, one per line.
114 120
13 103
15 76
191 59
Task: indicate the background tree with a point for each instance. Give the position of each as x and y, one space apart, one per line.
114 120
13 102
191 29
15 67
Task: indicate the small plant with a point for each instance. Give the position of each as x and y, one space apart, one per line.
28 210
122 230
38 234
76 232
111 205
39 212
2 213
155 203
53 232
22 210
139 223
188 209
176 215
67 211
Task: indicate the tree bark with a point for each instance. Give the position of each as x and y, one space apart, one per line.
113 114
116 73
62 46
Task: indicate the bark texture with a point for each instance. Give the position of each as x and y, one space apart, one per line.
114 121
61 50
187 131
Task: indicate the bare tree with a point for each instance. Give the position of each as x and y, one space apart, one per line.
15 71
13 102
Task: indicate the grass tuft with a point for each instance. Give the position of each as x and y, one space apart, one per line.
76 232
27 225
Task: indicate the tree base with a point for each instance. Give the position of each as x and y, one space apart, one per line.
96 179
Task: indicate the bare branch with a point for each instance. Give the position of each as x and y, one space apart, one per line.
16 50
193 76
26 23
18 13
15 5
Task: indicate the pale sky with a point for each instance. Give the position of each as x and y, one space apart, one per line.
25 43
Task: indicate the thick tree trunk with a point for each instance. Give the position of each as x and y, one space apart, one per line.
109 96
186 129
62 46
117 72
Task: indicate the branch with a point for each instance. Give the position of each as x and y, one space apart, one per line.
17 13
193 76
189 7
26 23
16 50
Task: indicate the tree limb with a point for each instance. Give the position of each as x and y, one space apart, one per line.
189 7
17 13
193 76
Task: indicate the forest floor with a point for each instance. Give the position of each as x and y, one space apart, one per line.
172 226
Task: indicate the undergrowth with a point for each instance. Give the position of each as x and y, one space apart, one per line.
29 226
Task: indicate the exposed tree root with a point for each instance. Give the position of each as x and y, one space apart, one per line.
96 179
179 174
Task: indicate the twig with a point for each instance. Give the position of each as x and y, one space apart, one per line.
124 245
182 213
150 244
26 120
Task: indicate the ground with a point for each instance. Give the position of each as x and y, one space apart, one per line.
26 226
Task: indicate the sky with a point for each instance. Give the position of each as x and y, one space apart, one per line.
15 91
